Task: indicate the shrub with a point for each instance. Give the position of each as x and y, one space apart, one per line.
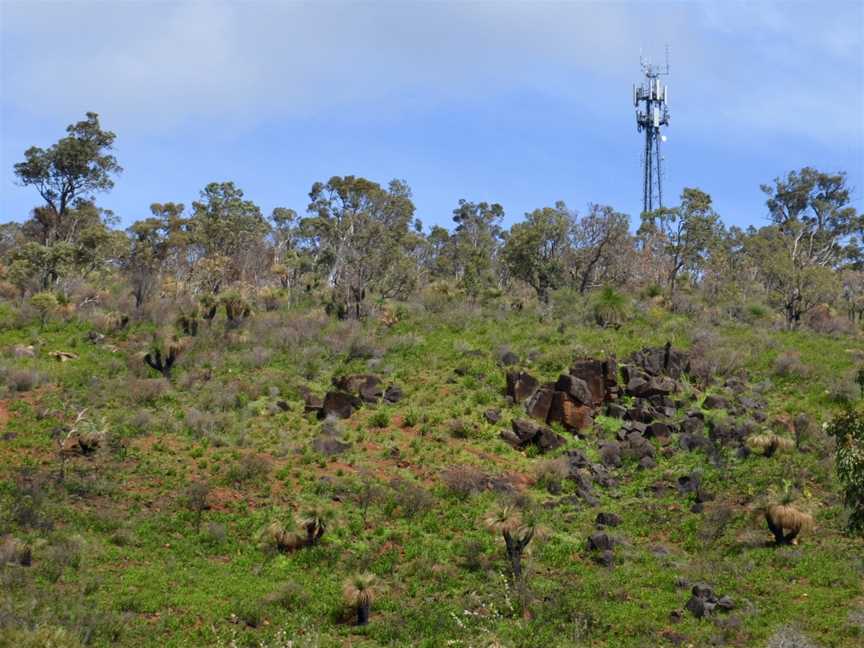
195 500
848 429
289 596
250 467
409 498
42 636
754 312
45 304
843 389
551 472
379 419
788 365
22 380
789 637
710 357
464 480
473 556
249 613
145 391
215 533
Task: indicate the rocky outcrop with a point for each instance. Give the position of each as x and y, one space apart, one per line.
527 433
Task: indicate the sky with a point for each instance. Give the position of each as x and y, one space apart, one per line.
521 103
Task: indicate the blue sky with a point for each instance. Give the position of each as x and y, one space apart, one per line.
519 103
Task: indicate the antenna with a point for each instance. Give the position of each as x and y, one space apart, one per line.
649 99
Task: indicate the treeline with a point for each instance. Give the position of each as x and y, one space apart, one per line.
359 242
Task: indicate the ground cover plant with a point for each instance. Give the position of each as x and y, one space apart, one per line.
258 526
338 430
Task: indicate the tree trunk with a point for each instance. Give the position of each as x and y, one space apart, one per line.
514 555
363 614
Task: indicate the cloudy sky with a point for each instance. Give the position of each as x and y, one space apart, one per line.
523 103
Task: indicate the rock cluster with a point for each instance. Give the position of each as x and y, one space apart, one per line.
703 602
572 399
350 393
525 433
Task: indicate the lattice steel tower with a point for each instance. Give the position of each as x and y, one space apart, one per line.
650 116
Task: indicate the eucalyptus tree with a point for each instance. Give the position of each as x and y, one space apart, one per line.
475 245
602 246
812 234
683 234
362 238
70 171
229 231
536 249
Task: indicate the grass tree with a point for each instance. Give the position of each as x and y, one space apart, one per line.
314 521
163 354
768 444
359 593
610 308
517 533
784 520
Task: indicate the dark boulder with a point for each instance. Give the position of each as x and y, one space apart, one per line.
508 359
570 413
311 402
604 519
662 361
610 454
509 437
600 376
647 463
576 388
338 405
528 432
600 541
692 425
615 410
521 385
540 403
658 430
690 483
492 415
703 602
714 401
393 394
548 440
691 442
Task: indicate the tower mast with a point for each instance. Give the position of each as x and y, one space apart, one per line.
649 99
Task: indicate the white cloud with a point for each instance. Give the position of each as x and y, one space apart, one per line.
156 67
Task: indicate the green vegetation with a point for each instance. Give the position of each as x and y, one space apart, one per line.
219 429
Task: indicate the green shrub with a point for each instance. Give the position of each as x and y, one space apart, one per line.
610 307
379 419
848 429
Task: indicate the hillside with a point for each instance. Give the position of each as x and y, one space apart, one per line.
148 504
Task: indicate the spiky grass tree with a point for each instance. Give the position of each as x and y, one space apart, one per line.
610 308
768 444
785 521
314 521
508 521
358 593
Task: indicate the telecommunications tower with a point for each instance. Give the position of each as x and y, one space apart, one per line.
649 98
